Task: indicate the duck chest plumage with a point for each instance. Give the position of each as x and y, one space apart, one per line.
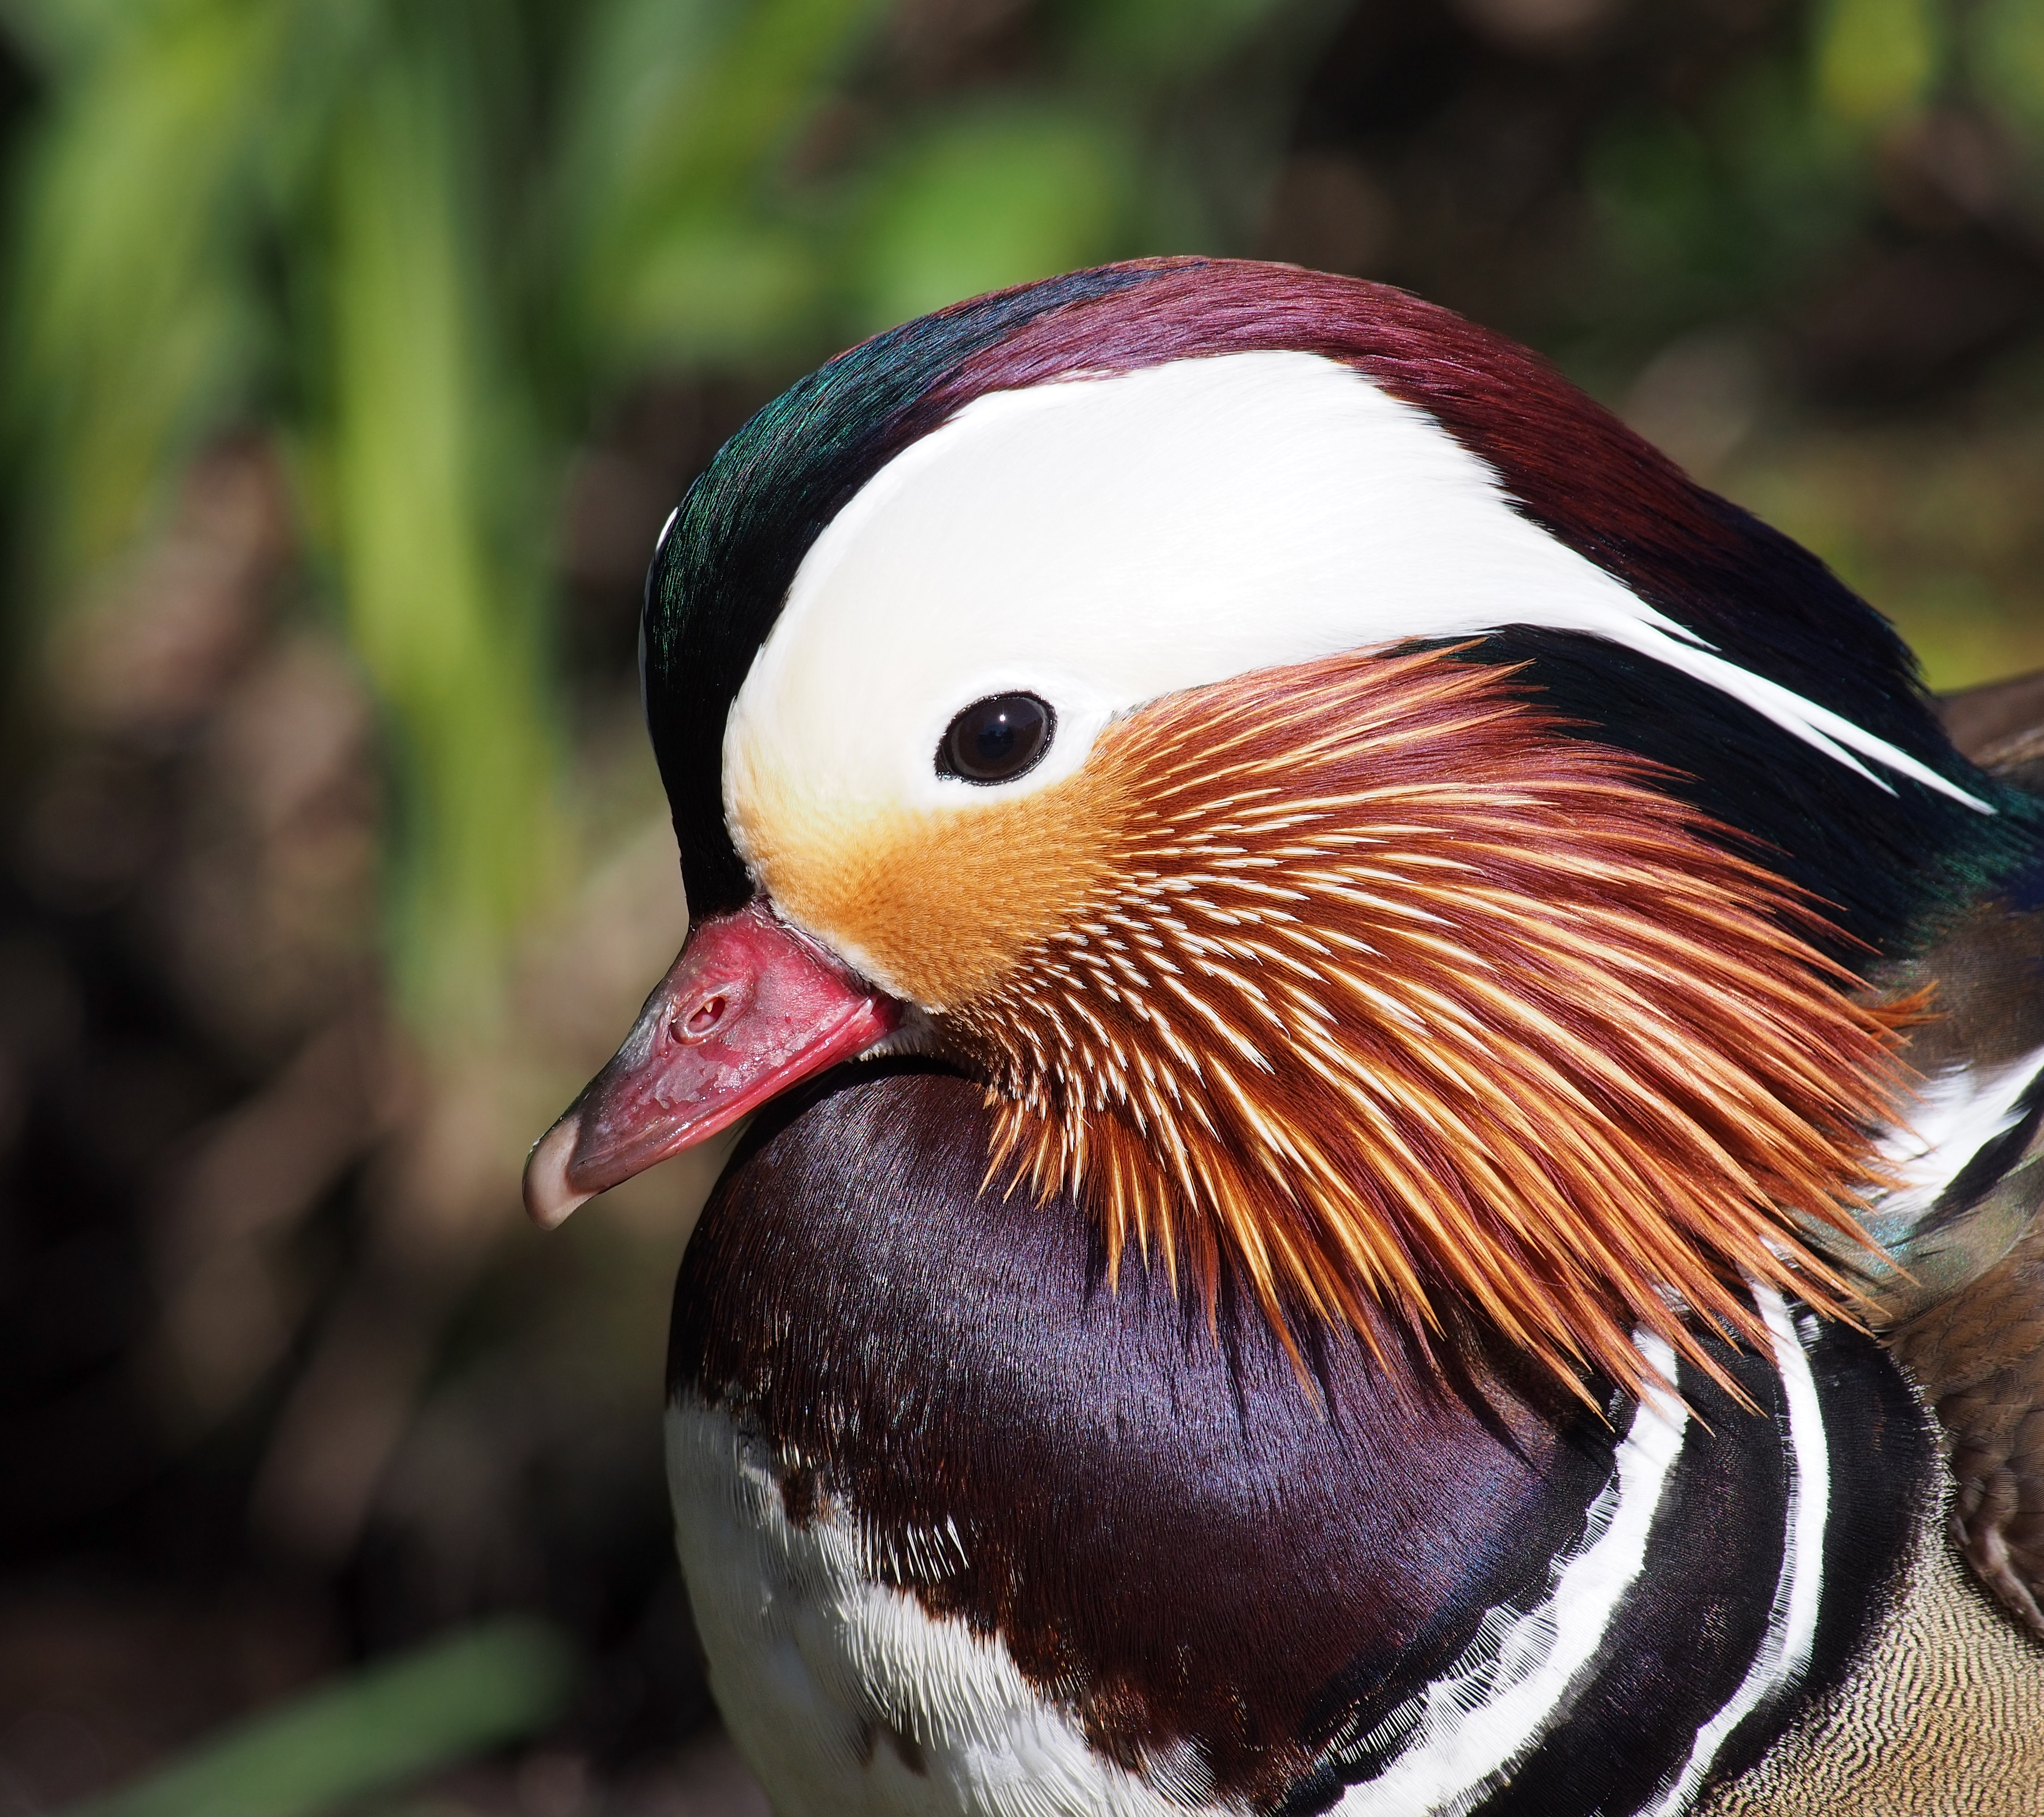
1393 1075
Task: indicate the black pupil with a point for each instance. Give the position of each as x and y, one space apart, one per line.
994 740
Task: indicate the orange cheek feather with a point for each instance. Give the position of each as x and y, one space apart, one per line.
1362 978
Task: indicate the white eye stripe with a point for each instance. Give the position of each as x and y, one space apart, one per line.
1102 542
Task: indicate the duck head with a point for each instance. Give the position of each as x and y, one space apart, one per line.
1367 820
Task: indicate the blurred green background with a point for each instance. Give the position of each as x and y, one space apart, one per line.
351 355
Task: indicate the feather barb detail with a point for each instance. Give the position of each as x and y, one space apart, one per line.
1396 990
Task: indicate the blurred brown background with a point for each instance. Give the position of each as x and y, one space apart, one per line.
354 354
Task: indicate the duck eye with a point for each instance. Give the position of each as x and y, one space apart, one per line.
998 739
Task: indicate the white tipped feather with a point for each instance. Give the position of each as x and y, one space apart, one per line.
1956 1114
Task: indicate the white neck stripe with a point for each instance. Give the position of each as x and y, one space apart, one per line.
1837 736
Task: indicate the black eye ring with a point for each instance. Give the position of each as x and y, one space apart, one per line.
997 739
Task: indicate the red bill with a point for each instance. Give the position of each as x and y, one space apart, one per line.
750 1008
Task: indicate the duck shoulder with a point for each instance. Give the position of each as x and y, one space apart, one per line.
1967 1318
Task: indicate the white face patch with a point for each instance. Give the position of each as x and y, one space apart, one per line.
1102 542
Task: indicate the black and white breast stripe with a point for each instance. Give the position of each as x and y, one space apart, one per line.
1469 1726
1166 1572
1692 1671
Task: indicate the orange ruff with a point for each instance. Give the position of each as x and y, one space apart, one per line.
1384 987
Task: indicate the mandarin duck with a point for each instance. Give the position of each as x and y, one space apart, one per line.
1394 1079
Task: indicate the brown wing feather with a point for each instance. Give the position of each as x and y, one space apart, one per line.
1979 1354
1977 1350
